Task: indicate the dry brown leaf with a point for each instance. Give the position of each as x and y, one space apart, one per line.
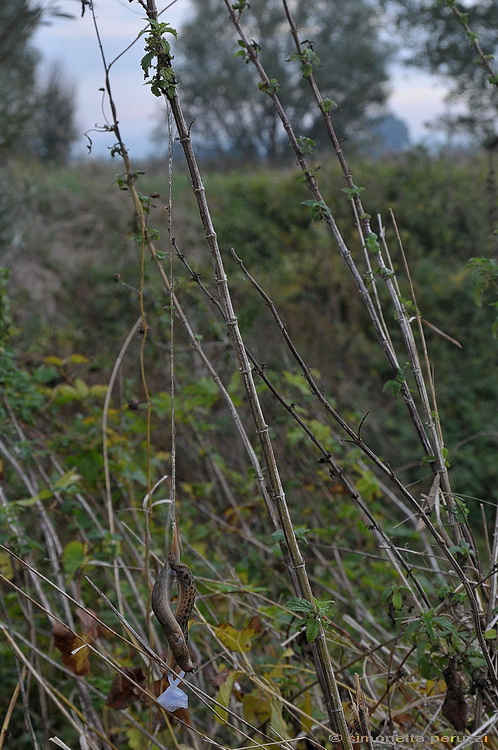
255 625
404 719
74 651
159 686
221 677
183 715
89 625
455 706
123 692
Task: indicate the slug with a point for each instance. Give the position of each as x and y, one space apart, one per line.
186 592
175 625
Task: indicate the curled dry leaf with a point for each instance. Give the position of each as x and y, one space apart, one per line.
91 627
183 715
455 706
221 677
255 625
123 692
73 649
89 624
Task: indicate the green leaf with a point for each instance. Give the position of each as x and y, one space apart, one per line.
300 533
446 626
425 666
318 208
297 604
323 607
412 627
306 144
477 661
277 722
397 600
407 303
368 486
278 536
463 549
64 393
165 47
312 628
393 387
372 243
69 479
353 192
223 697
490 634
327 104
269 87
73 557
146 62
45 373
394 595
27 502
385 273
386 594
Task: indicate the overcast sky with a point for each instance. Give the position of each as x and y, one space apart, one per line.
416 97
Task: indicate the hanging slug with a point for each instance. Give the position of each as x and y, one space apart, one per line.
186 592
175 625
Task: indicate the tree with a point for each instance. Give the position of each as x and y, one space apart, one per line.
440 39
31 117
18 20
352 72
53 123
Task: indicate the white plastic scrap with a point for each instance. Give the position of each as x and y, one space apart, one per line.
173 697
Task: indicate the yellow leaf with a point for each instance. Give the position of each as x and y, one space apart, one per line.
277 672
135 739
306 721
27 502
6 568
201 548
236 640
430 687
92 419
98 390
81 388
223 697
256 707
276 719
78 359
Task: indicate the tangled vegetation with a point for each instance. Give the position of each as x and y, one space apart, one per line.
314 410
